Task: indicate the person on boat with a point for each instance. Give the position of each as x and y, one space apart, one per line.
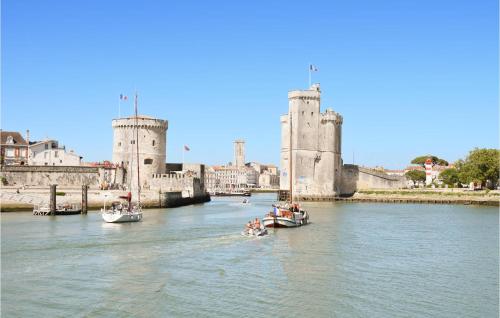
256 223
248 226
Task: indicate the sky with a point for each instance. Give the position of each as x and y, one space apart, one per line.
409 77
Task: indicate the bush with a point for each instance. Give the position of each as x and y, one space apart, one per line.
61 193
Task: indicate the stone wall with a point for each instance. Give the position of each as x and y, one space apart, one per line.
47 175
356 178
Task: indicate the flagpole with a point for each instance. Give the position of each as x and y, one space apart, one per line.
309 76
120 108
183 152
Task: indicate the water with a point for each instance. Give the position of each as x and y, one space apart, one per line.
354 260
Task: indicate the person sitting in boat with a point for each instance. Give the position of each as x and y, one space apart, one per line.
256 223
248 226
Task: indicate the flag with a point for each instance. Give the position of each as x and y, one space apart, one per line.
123 97
313 68
186 148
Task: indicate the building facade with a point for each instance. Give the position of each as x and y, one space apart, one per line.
315 141
13 148
49 153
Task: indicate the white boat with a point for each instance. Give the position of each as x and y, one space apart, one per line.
284 217
120 213
255 232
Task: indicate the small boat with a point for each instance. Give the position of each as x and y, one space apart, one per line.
255 232
64 209
233 194
286 216
245 201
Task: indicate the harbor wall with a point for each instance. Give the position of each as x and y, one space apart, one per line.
97 198
356 178
47 175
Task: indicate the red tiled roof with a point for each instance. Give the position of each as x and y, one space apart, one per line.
16 136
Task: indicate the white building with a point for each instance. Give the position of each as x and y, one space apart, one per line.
49 153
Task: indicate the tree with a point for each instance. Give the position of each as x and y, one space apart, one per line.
435 160
415 175
479 166
449 176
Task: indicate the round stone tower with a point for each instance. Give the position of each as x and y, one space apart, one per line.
152 139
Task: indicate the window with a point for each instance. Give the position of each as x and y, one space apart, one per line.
132 142
46 146
119 144
60 161
148 161
45 155
55 154
9 152
154 142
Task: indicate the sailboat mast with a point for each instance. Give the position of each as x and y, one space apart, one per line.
137 150
290 160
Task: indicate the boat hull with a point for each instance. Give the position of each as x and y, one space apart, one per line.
118 217
280 221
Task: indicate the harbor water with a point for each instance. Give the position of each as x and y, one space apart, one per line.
353 260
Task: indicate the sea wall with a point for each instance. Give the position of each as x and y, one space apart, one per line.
355 178
47 175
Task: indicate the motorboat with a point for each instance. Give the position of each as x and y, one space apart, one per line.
262 231
286 216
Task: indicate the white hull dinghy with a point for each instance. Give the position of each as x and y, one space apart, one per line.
255 232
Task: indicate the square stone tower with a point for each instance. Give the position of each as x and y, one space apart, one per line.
316 147
239 153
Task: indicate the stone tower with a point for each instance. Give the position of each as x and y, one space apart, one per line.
239 153
152 146
316 146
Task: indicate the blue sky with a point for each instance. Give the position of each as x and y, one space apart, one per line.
409 77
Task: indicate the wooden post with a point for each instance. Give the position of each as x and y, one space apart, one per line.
159 198
84 198
53 199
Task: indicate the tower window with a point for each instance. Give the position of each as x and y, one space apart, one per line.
154 142
132 142
148 161
119 144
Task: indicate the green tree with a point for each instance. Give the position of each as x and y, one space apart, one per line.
479 166
449 176
435 160
415 175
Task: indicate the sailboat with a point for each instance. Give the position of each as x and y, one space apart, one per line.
130 212
289 214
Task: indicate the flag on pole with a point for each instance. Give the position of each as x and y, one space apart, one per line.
123 97
313 68
186 148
